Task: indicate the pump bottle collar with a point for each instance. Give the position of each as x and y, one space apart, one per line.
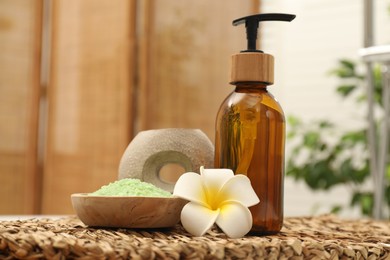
252 25
254 65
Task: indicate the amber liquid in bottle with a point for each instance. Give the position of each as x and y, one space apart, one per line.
250 134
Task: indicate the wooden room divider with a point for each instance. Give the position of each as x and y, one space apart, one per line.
78 79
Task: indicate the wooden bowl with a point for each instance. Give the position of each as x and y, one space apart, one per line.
127 212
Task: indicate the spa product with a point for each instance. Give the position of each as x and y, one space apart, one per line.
131 187
250 128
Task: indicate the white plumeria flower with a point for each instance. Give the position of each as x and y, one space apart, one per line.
216 196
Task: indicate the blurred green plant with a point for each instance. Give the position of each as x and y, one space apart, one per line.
323 157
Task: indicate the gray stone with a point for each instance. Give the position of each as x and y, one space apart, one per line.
150 150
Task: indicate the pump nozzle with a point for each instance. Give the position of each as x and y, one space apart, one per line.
252 24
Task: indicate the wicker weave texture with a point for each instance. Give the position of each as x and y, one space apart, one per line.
324 237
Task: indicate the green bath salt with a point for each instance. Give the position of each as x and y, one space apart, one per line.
131 187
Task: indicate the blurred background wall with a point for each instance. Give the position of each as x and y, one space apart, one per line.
78 79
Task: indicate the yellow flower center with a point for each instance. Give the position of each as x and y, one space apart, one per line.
212 199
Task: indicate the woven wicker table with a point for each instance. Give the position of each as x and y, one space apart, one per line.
324 237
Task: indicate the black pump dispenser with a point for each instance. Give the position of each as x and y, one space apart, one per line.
254 65
252 25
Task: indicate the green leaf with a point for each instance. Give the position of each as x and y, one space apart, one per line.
346 69
361 175
354 137
377 75
294 121
355 198
325 124
343 73
387 195
323 147
365 201
388 173
367 204
311 139
346 171
291 134
346 90
320 176
348 64
336 209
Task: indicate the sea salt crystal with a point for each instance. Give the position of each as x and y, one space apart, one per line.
131 187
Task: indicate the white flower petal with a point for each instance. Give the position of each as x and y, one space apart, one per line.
234 219
239 188
189 186
197 219
214 179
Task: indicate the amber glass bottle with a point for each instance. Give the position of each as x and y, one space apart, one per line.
250 133
250 128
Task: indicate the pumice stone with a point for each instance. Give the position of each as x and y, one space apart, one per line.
150 150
